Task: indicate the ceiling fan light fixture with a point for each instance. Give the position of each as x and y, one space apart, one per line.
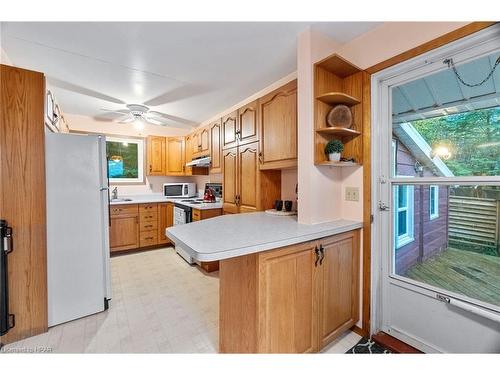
138 123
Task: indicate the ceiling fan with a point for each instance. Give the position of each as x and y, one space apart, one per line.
139 114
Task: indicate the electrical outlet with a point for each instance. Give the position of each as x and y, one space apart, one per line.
352 194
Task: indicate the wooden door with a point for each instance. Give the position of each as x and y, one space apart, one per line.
22 197
188 171
248 131
175 156
230 169
229 130
287 292
248 178
278 118
165 220
338 286
156 154
204 140
215 149
124 232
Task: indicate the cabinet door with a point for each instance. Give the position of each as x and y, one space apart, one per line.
229 165
278 117
156 154
248 175
188 171
204 139
165 220
338 286
175 156
287 296
195 144
215 149
248 131
229 129
124 232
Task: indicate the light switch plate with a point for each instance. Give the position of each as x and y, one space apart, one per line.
352 194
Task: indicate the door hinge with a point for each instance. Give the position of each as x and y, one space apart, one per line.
371 219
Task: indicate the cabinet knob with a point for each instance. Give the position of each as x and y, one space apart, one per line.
150 168
260 158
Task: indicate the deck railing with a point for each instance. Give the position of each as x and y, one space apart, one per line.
474 224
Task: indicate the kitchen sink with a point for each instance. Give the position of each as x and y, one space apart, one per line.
121 200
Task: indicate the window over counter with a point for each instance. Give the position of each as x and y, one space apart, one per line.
125 160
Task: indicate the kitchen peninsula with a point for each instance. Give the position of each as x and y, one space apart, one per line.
285 287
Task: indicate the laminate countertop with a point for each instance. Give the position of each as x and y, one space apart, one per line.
160 198
230 236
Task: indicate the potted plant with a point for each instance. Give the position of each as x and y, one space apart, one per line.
333 149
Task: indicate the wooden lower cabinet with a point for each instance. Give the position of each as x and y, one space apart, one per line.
165 220
295 299
202 215
135 226
124 232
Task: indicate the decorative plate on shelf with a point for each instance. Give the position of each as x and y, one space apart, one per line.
339 116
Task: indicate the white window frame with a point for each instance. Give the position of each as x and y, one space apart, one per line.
140 161
434 190
409 236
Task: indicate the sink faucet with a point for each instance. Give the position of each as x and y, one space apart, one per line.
114 193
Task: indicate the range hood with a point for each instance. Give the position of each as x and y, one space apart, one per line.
199 162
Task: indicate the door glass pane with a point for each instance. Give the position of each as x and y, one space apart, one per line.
441 127
458 250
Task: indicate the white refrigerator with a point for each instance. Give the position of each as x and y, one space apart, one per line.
78 264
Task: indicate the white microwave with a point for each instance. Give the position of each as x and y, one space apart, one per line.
179 190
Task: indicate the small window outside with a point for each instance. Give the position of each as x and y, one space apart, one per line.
125 160
434 202
403 218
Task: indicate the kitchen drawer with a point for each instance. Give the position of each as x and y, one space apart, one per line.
148 207
124 209
196 215
148 238
148 225
148 216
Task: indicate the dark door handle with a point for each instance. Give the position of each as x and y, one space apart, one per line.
316 250
322 252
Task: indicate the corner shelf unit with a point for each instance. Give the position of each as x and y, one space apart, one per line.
337 81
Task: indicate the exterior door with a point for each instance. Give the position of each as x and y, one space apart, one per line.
338 286
229 130
248 131
175 156
437 196
156 156
230 169
215 149
248 177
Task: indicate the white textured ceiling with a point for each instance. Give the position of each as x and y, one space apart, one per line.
188 70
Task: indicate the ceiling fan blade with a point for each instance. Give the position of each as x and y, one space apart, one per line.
179 120
82 90
178 93
116 111
154 121
127 120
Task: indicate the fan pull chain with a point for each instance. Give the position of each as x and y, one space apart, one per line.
451 64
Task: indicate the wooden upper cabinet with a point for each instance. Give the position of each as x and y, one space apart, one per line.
204 141
188 171
215 147
229 130
338 286
248 175
248 129
287 302
156 155
229 165
175 156
278 122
